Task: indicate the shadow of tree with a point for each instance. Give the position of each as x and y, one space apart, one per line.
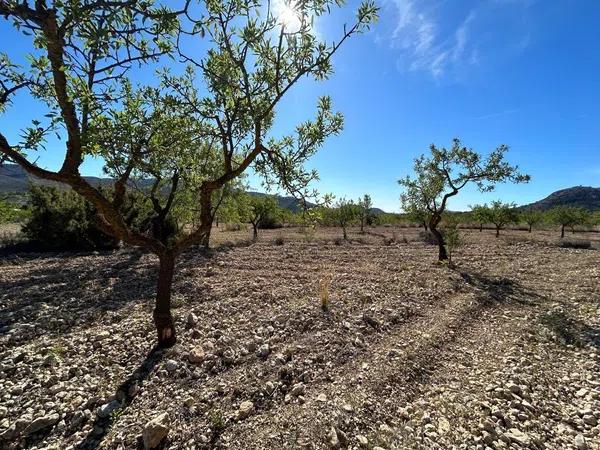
125 393
63 291
570 331
60 293
498 289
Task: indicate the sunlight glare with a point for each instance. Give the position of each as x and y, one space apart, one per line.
287 15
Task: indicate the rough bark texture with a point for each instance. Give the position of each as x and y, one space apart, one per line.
165 327
442 254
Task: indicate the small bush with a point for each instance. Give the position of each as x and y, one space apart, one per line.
63 220
279 240
60 219
236 226
576 243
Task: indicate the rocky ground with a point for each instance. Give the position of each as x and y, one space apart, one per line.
501 351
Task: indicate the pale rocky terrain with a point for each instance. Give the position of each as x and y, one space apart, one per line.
501 351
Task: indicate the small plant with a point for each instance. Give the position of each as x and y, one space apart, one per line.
451 235
453 241
308 232
324 284
279 240
217 421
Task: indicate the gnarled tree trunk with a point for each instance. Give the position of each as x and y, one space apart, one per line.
442 253
163 319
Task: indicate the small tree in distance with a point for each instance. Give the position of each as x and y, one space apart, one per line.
261 208
531 217
501 214
345 213
441 175
568 216
364 211
418 215
481 214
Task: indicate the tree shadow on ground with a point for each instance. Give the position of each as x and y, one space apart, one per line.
62 292
53 298
567 330
490 290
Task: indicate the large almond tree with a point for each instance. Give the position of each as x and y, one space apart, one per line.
190 135
444 173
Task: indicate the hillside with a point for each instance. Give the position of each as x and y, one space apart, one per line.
14 182
581 196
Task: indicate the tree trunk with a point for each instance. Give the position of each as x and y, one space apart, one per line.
573 230
255 229
345 234
426 227
362 225
530 228
165 328
480 227
442 255
562 231
497 231
206 216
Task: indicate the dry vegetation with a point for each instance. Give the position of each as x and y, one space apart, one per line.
501 351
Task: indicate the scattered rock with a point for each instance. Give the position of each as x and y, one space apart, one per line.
155 431
245 410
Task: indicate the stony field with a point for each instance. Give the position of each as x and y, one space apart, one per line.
501 351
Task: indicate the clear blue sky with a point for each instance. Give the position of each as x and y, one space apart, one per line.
521 72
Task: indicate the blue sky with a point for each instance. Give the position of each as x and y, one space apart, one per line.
521 72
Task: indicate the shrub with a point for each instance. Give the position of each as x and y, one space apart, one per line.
279 240
233 226
576 243
60 219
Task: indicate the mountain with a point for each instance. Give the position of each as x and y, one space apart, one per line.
289 203
580 196
14 183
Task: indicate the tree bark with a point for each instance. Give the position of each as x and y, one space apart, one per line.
480 227
255 231
442 254
497 231
562 231
530 228
165 327
345 233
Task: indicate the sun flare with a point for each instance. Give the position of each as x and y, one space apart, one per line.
287 15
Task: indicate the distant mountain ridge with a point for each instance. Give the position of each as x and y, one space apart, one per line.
14 180
579 196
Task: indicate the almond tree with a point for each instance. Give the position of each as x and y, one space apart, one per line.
261 208
568 216
501 214
480 214
364 212
445 172
80 54
532 217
